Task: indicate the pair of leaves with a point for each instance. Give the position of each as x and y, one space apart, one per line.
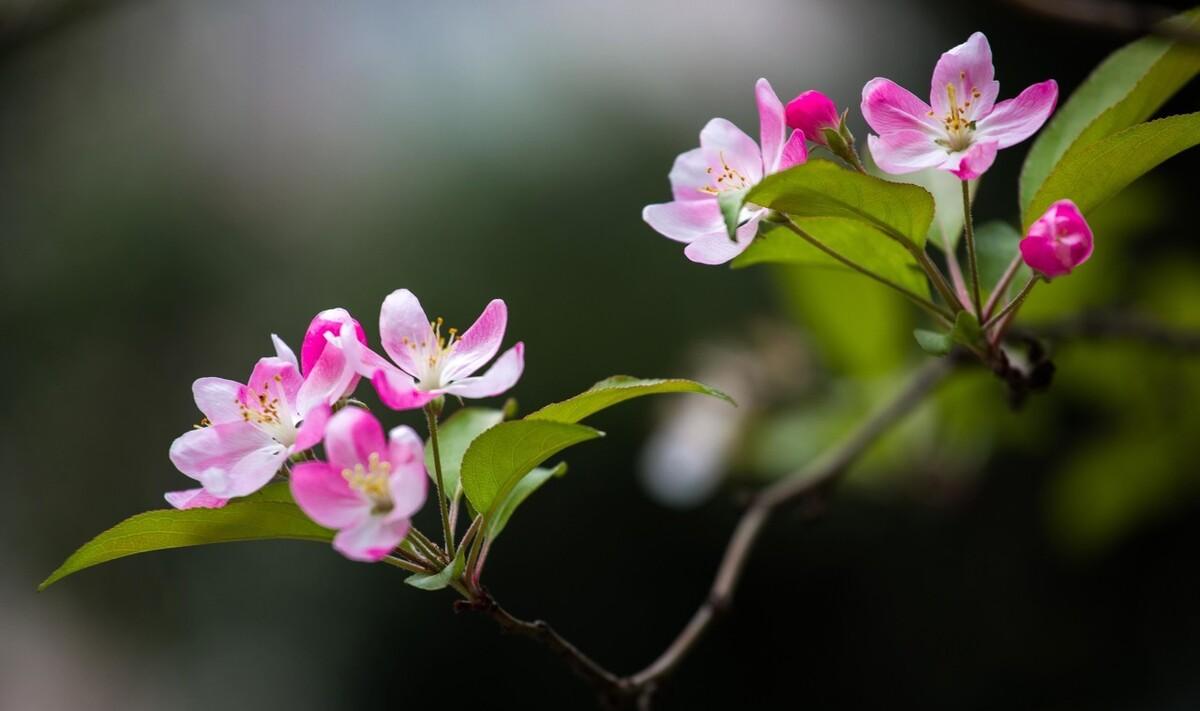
1094 125
272 514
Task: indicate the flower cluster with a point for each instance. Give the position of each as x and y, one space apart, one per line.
370 486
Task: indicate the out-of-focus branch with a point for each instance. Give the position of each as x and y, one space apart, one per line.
46 21
1103 326
1129 18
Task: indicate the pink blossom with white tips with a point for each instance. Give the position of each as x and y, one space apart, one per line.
247 434
426 363
962 126
328 374
726 160
370 487
1058 241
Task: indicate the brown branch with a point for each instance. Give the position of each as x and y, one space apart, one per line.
1127 18
811 481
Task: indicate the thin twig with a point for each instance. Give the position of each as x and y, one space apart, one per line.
1001 286
969 234
431 417
1120 326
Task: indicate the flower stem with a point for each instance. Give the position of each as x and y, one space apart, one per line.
921 301
1001 287
424 546
431 419
969 226
1014 304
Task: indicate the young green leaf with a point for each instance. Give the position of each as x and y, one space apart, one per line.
731 202
854 239
1096 173
455 434
248 519
821 188
443 577
1125 89
617 389
966 330
528 484
498 459
934 343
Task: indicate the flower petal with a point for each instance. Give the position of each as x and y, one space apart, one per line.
398 391
220 446
315 340
905 151
688 175
312 429
478 344
684 220
811 113
1040 255
772 125
405 331
409 483
352 435
194 499
795 151
332 376
717 248
1014 120
372 539
219 399
503 374
726 145
968 68
323 494
971 163
278 380
283 351
889 108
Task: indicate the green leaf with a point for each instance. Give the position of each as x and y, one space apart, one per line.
443 577
853 239
821 188
243 520
731 202
617 389
528 484
498 459
1095 174
966 330
934 343
1125 89
455 434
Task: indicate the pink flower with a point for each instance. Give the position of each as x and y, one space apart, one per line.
328 375
428 363
811 113
727 159
247 434
1058 241
370 487
964 128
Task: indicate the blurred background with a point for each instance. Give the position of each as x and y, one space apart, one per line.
180 179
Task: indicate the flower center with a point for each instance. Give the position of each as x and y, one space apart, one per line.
432 354
372 481
959 127
729 178
263 411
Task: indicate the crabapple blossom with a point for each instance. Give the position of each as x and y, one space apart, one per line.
1058 241
812 113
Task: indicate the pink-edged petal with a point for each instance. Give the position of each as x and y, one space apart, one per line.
889 107
248 475
1058 241
688 175
772 125
371 539
727 147
409 482
278 380
503 374
406 333
219 399
352 435
220 446
194 499
971 163
315 339
312 429
323 494
1014 120
684 220
905 151
795 151
478 344
331 377
283 351
968 68
398 391
717 248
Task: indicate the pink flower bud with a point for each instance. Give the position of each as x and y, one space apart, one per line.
810 113
1058 241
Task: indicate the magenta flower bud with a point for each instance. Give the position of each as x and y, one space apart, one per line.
811 113
1058 241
